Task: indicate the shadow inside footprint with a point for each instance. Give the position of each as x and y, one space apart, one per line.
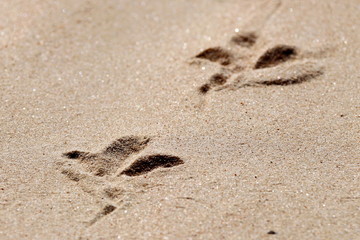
74 154
287 74
215 80
148 163
244 39
218 79
203 89
216 54
275 56
105 211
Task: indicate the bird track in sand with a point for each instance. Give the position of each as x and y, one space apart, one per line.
279 65
99 174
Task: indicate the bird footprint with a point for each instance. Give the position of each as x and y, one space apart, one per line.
99 174
278 65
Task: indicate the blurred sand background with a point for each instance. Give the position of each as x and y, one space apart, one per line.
76 75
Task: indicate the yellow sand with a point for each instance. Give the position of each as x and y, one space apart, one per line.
258 155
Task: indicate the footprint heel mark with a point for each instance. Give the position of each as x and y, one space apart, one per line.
148 163
111 158
216 54
276 55
246 40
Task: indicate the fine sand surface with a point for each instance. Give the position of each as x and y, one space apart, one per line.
206 119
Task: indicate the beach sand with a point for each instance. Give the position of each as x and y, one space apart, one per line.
206 119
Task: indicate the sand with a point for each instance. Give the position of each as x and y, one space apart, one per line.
207 119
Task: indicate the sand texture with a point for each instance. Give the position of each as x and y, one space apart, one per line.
204 119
